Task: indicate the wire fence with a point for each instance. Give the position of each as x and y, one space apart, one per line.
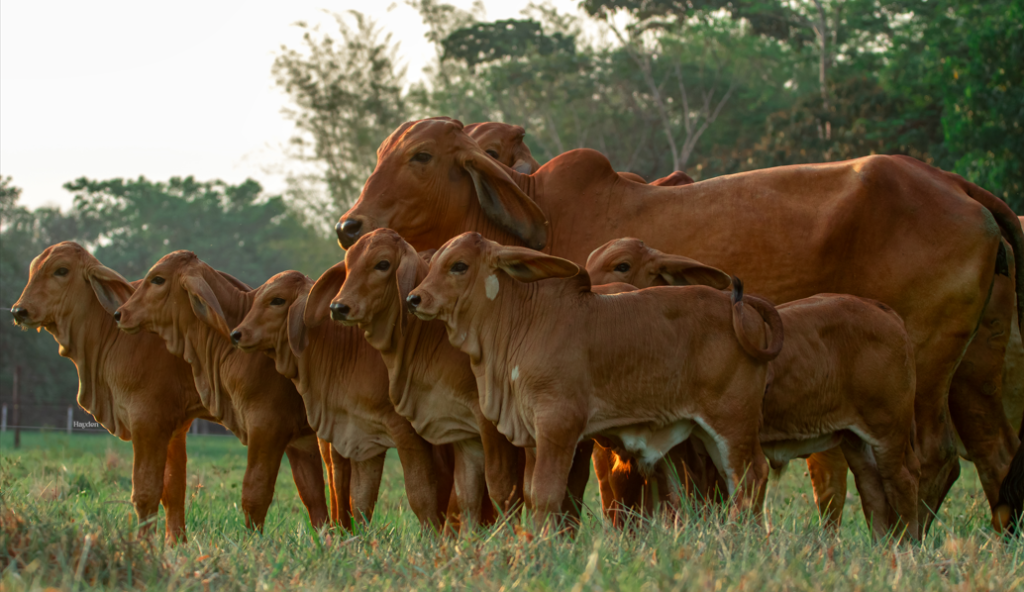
73 419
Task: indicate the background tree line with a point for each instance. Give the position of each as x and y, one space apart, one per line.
707 86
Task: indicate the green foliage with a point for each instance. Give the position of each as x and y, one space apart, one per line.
512 38
59 490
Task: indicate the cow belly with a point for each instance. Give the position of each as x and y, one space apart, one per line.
649 444
439 417
781 452
354 437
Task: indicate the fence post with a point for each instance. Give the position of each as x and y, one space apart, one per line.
3 420
16 411
71 414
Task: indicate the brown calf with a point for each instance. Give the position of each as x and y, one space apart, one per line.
344 385
129 383
191 305
844 378
556 362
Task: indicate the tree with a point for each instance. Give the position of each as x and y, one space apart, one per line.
347 97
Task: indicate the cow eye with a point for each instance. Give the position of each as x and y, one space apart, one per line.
383 266
459 267
493 154
157 281
277 302
61 271
422 157
622 267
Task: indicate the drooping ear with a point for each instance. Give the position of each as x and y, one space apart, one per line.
235 282
527 265
205 304
298 338
111 289
501 199
405 276
683 271
323 291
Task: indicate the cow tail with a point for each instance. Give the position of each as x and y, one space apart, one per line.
1009 224
767 313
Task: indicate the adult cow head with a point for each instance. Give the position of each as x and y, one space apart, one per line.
64 281
174 290
630 261
504 143
274 322
432 181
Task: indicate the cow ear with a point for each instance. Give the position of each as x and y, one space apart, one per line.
205 304
502 200
683 271
405 276
111 289
522 166
298 337
527 265
322 293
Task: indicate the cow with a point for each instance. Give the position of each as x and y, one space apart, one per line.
844 379
1010 506
129 383
190 306
344 385
890 228
556 362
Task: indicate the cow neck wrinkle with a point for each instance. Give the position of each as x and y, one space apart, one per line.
207 351
497 335
90 338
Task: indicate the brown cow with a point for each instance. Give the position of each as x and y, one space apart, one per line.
431 383
344 385
129 383
1010 506
851 356
884 227
556 362
190 305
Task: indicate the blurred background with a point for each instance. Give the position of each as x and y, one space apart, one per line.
241 131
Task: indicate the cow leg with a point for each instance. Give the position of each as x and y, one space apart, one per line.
828 479
262 466
629 487
149 459
603 460
308 474
325 455
366 476
556 455
444 469
417 458
470 482
529 465
975 396
173 497
733 444
576 486
899 470
502 470
861 459
341 477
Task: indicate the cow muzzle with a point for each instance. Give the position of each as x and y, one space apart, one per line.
20 315
348 232
413 303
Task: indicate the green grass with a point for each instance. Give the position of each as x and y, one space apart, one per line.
65 522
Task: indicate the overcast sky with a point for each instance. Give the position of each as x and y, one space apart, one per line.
121 89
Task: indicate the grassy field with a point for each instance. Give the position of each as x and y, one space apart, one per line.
66 522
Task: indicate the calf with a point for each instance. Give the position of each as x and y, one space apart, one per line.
129 383
190 305
556 362
344 385
845 379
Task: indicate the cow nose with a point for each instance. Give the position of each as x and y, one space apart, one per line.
413 301
348 232
20 314
236 336
117 316
339 311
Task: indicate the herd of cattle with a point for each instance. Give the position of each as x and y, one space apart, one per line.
503 325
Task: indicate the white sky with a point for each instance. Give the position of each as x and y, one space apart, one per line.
121 89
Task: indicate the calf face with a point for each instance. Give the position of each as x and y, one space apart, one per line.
275 319
504 143
629 260
463 277
62 282
172 290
